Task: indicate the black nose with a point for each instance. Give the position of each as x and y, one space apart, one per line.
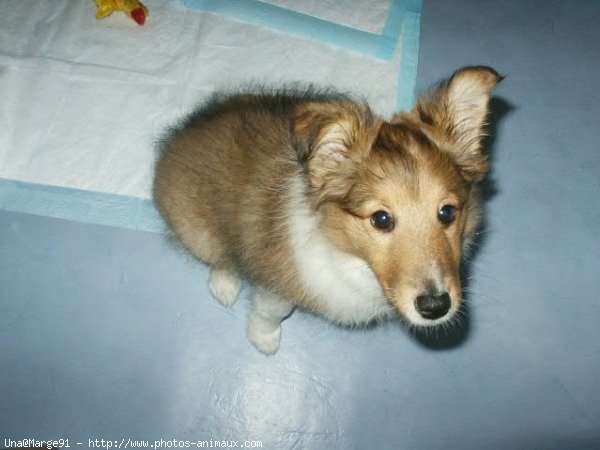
433 306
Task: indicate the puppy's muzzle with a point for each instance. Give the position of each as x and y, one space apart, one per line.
431 306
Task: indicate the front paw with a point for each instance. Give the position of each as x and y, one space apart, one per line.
225 286
266 341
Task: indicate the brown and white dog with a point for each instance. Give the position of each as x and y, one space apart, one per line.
325 206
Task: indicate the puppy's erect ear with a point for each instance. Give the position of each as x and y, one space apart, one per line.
457 112
330 138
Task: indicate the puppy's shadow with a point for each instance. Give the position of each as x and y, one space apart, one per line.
457 333
499 110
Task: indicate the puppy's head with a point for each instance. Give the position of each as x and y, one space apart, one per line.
403 195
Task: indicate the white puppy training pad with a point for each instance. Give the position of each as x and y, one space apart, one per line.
84 101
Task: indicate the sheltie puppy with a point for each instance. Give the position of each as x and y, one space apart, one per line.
325 206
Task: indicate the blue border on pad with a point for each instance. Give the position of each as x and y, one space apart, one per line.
403 21
140 214
411 33
381 46
80 205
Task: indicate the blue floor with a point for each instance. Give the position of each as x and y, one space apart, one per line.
110 334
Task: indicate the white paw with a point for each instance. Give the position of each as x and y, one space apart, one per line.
225 286
266 342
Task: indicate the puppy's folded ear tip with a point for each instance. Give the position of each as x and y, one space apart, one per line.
477 68
487 72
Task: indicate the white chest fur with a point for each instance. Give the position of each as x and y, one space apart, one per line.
343 287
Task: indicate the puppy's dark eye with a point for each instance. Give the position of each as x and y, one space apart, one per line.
447 214
382 220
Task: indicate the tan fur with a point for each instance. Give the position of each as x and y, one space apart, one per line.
225 184
221 198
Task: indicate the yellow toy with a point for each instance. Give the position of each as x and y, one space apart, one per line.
133 8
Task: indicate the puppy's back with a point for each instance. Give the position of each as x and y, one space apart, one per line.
222 172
